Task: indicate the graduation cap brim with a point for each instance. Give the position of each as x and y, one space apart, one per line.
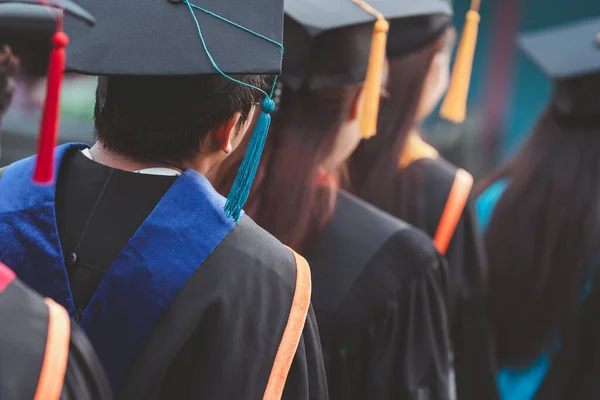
160 38
318 17
565 52
26 14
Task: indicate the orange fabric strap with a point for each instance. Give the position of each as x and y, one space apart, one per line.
293 331
457 199
56 356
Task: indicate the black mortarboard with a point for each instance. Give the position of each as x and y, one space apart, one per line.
422 22
137 38
160 38
44 17
565 51
328 43
335 43
26 26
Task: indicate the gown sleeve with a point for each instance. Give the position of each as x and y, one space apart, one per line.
402 349
307 379
84 378
471 332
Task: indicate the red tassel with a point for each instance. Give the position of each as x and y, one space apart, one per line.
44 168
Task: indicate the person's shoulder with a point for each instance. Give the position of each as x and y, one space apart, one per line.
366 219
250 251
433 171
363 250
415 249
361 225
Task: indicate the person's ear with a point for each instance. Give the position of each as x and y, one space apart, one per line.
225 134
357 105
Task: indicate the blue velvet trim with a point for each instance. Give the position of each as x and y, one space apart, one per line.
29 241
183 229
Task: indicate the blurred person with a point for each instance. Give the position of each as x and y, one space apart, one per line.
542 229
181 295
398 172
42 354
379 285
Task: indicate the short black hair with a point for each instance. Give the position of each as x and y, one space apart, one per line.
165 119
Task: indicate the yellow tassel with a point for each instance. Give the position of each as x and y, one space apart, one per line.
454 107
373 81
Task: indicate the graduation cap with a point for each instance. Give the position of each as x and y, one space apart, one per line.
335 43
422 22
570 56
45 16
186 38
25 16
567 51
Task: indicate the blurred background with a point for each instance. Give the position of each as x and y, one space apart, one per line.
507 92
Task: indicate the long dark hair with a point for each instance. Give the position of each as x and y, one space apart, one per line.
286 199
373 166
544 235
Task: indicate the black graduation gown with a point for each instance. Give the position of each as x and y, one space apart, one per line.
23 345
379 293
226 332
420 194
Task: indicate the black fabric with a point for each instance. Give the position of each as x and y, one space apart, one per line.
230 317
420 195
380 295
219 337
23 336
161 38
85 377
574 370
79 187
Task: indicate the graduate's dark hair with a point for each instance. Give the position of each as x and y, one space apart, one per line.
166 119
544 235
286 199
373 166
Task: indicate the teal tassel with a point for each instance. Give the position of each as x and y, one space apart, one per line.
245 177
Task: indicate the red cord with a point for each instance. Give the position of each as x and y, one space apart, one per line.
44 168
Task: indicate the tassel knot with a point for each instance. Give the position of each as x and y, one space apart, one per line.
267 105
382 26
60 40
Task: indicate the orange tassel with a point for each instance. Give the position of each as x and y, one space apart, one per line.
44 168
454 107
373 81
